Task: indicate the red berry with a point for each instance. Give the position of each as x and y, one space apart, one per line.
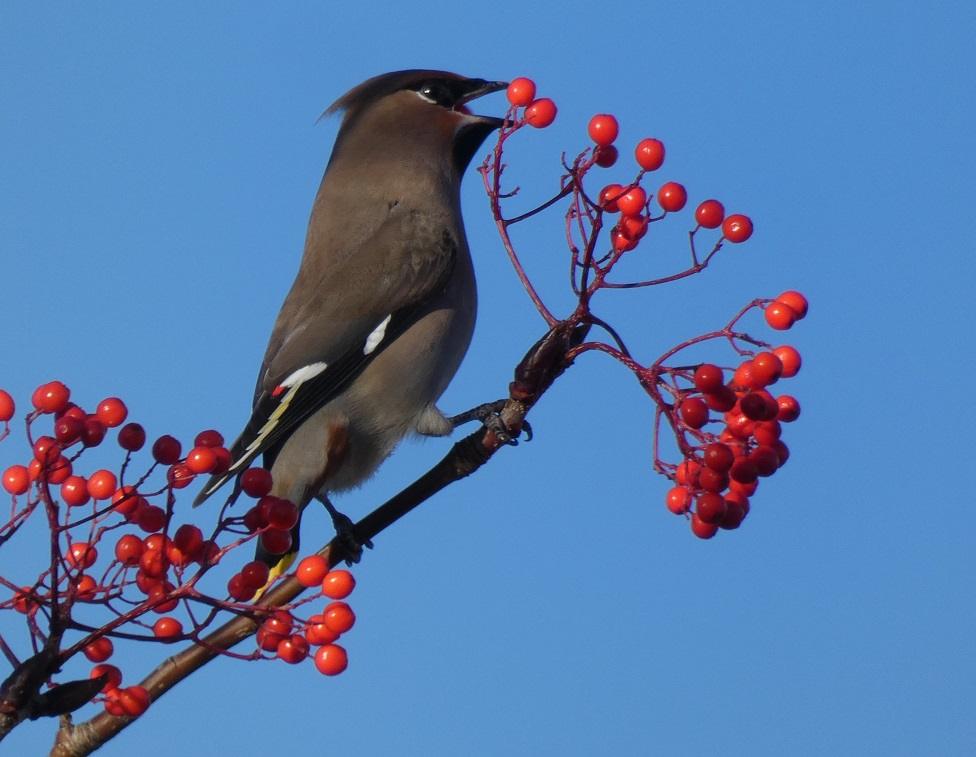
620 241
796 301
166 450
279 622
603 129
134 700
293 649
632 202
51 397
722 400
267 640
710 507
239 591
74 491
68 429
16 479
782 452
180 476
127 501
112 704
254 520
112 412
99 650
708 378
128 549
317 632
276 541
85 587
743 471
93 431
167 628
606 156
701 529
113 676
745 488
540 113
223 460
780 316
609 196
672 197
151 518
709 214
81 555
131 437
281 513
255 574
156 595
201 460
521 91
102 484
188 539
208 554
331 660
256 482
678 500
712 480
46 449
339 617
154 563
694 412
766 460
650 154
766 368
209 438
634 227
687 473
768 432
788 408
338 584
734 513
737 228
7 406
791 360
311 570
718 456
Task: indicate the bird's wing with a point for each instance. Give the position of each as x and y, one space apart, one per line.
332 327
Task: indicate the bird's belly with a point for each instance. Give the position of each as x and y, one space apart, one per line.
384 402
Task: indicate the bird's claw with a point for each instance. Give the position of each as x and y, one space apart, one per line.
489 414
351 547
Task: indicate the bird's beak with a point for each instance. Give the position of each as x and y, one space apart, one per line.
476 88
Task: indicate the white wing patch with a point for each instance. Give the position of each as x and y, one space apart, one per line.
303 374
373 340
292 383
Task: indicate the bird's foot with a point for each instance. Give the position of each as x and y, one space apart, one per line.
351 547
489 414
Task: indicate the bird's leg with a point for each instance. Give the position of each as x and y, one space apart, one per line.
489 414
344 531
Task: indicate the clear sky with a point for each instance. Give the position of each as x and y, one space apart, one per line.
158 165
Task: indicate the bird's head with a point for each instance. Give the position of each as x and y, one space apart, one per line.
418 110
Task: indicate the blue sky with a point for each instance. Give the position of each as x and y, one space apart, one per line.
158 168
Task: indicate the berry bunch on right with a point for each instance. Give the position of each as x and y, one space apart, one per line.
728 424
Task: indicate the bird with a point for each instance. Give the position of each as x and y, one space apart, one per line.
382 309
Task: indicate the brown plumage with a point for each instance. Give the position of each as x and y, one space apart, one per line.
383 306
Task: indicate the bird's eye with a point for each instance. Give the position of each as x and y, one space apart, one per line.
435 93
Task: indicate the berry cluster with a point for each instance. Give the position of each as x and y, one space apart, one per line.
722 465
151 574
631 204
278 632
727 428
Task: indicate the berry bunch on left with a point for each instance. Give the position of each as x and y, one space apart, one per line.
120 565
